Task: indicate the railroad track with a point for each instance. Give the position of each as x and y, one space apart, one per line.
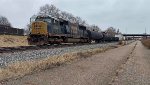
15 49
26 48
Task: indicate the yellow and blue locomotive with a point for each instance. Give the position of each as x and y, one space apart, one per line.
48 30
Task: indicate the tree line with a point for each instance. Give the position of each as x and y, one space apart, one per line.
55 12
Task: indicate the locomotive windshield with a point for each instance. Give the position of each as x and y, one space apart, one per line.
45 19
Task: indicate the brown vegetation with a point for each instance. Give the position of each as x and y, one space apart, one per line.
12 40
146 42
20 69
122 43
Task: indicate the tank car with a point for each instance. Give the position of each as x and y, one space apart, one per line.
95 36
109 38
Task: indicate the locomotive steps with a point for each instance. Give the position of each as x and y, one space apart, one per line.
20 69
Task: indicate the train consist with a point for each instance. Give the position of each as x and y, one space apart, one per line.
48 30
7 30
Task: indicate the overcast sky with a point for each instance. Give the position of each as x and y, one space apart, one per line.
130 16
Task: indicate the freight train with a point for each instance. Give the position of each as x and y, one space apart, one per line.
8 30
47 30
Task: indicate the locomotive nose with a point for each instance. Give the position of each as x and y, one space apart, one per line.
37 25
39 28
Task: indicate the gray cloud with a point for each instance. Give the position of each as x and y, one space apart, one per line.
130 15
19 11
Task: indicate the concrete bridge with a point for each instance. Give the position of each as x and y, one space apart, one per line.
142 35
137 36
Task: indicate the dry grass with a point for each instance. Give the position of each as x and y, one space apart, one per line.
12 40
122 42
146 42
21 69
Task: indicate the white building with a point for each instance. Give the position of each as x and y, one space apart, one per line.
120 36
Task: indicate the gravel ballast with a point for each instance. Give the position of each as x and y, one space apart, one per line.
8 58
97 69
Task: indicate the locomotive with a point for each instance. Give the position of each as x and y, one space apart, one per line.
47 30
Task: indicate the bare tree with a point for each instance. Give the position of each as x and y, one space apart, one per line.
71 18
32 19
78 20
50 10
27 29
111 31
118 31
63 15
95 28
84 23
53 11
4 21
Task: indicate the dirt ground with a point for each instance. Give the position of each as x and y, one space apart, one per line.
127 65
136 71
12 40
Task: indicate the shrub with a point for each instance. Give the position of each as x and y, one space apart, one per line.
146 42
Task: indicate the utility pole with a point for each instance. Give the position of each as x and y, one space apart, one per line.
145 33
126 30
126 37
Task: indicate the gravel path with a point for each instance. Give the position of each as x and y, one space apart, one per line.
96 70
137 69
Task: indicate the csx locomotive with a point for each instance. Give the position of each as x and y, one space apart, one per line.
47 30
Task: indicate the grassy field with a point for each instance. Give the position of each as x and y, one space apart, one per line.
12 40
146 42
